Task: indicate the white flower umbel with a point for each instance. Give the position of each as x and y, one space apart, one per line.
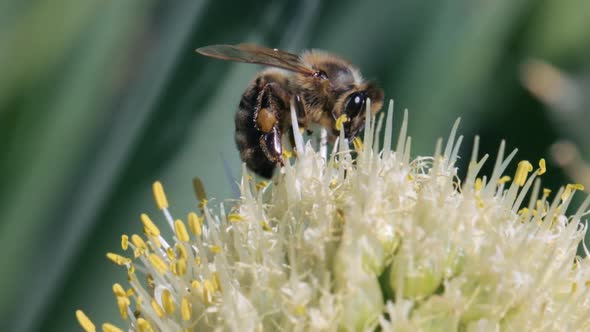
365 239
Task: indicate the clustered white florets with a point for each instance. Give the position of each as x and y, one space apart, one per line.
378 240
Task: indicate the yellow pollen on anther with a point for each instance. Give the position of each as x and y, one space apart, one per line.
118 259
215 249
168 302
148 225
179 267
208 290
524 214
108 327
203 203
546 192
85 322
569 189
181 251
185 309
118 290
157 309
234 217
208 284
138 305
130 292
522 171
216 281
160 196
542 166
478 184
287 154
124 241
333 184
504 179
158 263
144 326
480 203
300 310
358 144
195 223
180 231
340 121
170 253
265 226
123 304
261 185
196 284
138 241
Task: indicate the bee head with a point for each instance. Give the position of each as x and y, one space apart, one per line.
353 105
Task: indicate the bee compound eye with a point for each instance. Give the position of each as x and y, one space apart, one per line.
354 104
321 74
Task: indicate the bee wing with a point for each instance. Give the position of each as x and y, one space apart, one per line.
251 53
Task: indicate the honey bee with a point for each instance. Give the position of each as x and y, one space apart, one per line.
321 86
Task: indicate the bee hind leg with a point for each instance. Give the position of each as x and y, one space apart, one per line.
272 146
269 114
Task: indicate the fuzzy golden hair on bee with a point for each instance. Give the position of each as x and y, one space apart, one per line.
331 64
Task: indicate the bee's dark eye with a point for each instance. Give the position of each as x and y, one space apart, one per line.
354 104
321 75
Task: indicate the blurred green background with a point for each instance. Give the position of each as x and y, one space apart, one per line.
100 98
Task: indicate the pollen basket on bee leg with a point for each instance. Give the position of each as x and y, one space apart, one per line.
265 120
